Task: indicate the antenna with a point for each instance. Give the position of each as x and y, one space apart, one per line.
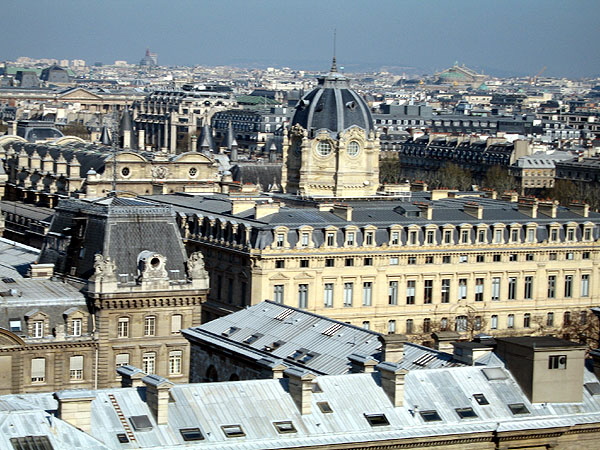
115 137
333 64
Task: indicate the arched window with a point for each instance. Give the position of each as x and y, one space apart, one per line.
211 374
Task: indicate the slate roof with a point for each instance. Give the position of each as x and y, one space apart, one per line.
119 228
329 340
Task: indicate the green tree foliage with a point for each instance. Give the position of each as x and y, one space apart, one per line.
498 178
76 129
564 191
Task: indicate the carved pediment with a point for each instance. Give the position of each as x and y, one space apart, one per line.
79 94
279 277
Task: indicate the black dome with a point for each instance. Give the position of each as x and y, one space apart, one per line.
332 105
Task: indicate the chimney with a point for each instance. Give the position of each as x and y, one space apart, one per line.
581 209
157 397
474 210
442 340
528 207
131 376
392 381
239 205
418 186
264 209
393 347
510 196
437 194
75 407
274 365
361 363
41 271
343 211
469 352
426 210
548 208
300 388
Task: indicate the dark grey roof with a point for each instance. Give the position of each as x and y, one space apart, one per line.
332 105
119 228
263 174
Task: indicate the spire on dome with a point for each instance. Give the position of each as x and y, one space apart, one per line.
333 63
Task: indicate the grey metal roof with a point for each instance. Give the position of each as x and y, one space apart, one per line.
331 341
256 404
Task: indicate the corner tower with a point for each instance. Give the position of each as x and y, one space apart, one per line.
331 149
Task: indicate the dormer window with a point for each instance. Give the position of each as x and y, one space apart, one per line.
37 329
395 238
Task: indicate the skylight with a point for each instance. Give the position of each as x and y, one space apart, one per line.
228 332
494 373
480 398
518 408
33 442
122 438
140 423
233 430
430 416
377 420
466 413
251 339
191 434
285 426
324 407
593 388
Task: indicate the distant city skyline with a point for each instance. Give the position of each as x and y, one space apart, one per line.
508 38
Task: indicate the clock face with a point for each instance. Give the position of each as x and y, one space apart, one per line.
323 148
353 148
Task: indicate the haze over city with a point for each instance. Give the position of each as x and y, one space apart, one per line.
499 38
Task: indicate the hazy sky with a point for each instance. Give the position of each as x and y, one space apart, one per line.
496 36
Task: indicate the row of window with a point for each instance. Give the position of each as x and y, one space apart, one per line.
149 361
432 235
124 329
38 369
443 287
464 323
37 328
440 259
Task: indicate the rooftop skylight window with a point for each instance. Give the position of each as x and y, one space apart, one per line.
228 332
122 438
377 420
466 413
480 398
191 434
324 407
430 416
518 408
233 431
140 423
285 426
251 339
593 388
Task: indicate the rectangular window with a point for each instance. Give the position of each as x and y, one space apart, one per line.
349 262
528 292
367 293
481 237
550 319
496 288
149 362
348 294
150 326
278 293
587 234
38 329
512 288
76 327
329 262
554 235
478 289
280 239
498 236
409 326
513 257
551 286
121 359
38 370
394 261
391 326
76 367
328 295
557 362
305 237
369 238
123 327
514 235
395 240
585 255
366 325
585 285
330 239
464 236
428 291
570 235
446 259
552 256
412 237
497 257
350 238
176 323
430 236
429 260
304 263
568 286
302 295
393 293
14 325
427 325
510 323
175 359
447 236
279 264
462 288
530 235
480 258
494 322
446 290
529 257
412 260
526 320
410 292
368 262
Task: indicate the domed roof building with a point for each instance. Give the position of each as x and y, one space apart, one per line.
331 149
